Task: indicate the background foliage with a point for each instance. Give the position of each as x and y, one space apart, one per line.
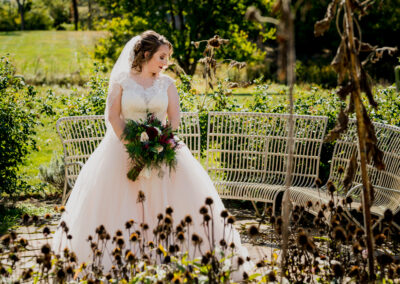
17 129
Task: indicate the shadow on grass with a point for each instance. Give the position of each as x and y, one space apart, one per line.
9 217
10 33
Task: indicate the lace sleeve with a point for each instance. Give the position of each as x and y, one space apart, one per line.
120 79
168 81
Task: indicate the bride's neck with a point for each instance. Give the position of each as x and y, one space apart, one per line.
144 74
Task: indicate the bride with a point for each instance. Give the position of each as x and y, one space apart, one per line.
103 195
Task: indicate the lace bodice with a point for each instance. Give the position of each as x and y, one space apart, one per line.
137 100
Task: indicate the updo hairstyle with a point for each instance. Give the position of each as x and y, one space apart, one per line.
149 41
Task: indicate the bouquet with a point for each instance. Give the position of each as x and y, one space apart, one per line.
150 145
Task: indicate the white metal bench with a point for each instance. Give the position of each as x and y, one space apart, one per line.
246 153
386 182
80 135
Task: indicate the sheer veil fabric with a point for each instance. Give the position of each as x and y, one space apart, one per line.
103 195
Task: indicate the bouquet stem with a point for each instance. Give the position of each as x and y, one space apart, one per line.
134 172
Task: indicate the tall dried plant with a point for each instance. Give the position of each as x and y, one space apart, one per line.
354 81
286 72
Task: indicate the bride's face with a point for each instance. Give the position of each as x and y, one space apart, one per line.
159 60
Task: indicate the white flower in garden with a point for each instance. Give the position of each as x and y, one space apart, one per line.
159 148
144 137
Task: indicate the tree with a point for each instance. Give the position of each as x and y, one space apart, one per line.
184 22
23 6
75 13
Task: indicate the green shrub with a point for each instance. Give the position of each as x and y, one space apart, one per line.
18 120
317 73
38 19
7 19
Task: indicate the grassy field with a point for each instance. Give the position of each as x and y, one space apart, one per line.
50 56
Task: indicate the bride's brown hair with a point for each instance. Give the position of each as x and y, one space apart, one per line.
149 41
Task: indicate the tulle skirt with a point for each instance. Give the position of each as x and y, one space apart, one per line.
103 195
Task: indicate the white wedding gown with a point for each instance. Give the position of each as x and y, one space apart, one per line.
103 195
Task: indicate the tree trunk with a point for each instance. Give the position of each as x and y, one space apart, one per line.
76 15
362 140
21 10
288 29
90 14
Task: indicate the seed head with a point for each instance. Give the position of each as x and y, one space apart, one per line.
231 219
349 200
141 197
354 271
253 231
181 236
338 270
46 231
224 214
209 201
203 210
380 239
188 219
45 249
339 234
134 237
330 186
169 210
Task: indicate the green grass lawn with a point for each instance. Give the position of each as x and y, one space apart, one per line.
50 55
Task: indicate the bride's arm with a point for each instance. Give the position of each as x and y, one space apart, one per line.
173 111
114 110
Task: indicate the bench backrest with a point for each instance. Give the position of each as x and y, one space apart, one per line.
343 150
387 181
252 147
80 135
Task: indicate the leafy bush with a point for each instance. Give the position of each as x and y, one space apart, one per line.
17 126
38 19
7 19
321 74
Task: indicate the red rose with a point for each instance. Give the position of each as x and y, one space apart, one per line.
163 139
152 132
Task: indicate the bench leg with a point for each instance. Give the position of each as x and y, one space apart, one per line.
64 192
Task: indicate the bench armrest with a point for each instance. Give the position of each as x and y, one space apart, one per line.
358 189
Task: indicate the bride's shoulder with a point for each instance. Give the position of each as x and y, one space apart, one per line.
167 79
121 77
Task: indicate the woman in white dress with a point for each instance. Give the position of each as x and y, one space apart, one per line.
103 195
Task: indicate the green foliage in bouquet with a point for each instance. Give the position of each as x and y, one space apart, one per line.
151 144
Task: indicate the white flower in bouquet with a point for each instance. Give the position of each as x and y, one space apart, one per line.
144 137
159 148
158 130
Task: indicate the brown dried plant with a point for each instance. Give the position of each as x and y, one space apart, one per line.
353 80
